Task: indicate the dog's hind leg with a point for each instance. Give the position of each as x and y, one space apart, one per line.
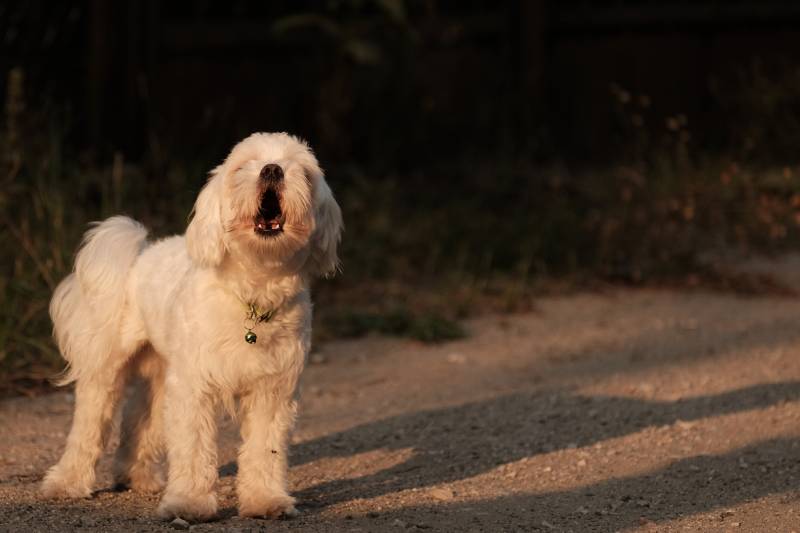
96 395
97 333
139 459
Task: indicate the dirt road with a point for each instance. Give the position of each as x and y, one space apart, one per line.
625 411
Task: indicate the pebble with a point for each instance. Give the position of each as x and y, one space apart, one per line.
398 523
456 358
317 359
179 523
442 494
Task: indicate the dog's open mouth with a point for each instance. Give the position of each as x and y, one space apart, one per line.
269 220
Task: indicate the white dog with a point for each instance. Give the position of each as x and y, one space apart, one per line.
197 321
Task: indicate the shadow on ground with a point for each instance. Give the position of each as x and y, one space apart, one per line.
457 443
460 442
684 488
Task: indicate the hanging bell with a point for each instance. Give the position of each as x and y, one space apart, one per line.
250 337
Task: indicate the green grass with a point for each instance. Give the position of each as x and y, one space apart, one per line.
430 327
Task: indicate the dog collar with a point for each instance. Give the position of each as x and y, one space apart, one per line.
255 315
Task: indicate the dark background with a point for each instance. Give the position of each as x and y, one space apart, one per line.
394 84
482 152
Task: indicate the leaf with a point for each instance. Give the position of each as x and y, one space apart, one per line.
396 9
306 21
363 52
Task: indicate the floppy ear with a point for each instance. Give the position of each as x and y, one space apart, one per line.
323 259
204 234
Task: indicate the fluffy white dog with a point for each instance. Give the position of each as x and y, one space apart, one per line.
220 316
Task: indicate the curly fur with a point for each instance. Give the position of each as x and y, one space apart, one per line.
168 318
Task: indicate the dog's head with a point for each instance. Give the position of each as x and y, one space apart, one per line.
268 201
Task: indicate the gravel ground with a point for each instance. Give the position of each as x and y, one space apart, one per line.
629 410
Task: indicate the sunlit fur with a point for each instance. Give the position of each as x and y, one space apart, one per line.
168 318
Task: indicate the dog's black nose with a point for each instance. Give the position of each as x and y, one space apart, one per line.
272 173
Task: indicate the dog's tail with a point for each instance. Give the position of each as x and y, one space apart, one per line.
88 306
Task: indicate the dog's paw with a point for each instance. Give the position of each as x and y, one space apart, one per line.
189 507
149 484
267 506
60 484
145 480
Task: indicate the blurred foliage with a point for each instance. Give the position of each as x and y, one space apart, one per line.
433 240
763 112
398 322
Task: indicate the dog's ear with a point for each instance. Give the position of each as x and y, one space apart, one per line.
204 236
323 259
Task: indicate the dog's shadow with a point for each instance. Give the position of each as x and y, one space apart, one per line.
457 443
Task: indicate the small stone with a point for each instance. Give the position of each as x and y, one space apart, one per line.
582 463
456 358
736 524
398 523
442 494
179 523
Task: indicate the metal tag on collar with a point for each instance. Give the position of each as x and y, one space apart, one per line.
254 316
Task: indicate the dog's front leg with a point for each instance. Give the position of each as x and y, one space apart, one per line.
191 435
268 416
